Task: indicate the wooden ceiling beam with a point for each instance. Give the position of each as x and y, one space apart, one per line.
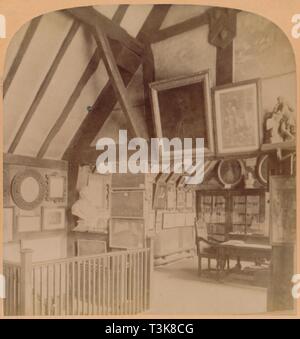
20 54
153 22
123 54
120 13
106 101
44 86
96 20
180 28
121 92
93 122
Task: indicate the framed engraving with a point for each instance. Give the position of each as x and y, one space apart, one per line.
53 218
236 117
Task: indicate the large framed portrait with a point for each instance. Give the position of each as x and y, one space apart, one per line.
182 108
236 117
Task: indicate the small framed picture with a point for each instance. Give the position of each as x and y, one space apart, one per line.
56 188
53 218
236 117
8 224
28 223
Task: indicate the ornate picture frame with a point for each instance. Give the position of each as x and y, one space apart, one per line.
28 189
230 172
56 187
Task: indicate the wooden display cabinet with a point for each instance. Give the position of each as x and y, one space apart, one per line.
232 213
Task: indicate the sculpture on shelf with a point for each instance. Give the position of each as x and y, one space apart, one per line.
88 212
281 125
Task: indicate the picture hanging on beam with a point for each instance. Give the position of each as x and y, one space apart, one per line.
182 108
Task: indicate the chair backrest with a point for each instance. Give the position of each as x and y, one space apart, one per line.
201 232
201 229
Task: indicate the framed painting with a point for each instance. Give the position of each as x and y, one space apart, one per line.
236 117
182 109
282 209
53 218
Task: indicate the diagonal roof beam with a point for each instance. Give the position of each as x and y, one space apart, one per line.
107 99
89 71
94 19
44 86
93 122
153 22
19 56
118 84
120 13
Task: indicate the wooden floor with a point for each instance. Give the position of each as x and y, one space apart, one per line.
179 290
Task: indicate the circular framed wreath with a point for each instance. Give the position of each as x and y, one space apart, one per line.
28 189
230 172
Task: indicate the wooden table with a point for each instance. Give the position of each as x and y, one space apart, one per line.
249 238
242 251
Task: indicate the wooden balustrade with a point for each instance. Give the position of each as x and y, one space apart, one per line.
114 283
12 301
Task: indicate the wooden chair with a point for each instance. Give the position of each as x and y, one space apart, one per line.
207 247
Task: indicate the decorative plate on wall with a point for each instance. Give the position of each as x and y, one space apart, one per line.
263 169
230 172
28 189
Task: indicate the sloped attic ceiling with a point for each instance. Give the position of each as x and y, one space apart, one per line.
53 73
